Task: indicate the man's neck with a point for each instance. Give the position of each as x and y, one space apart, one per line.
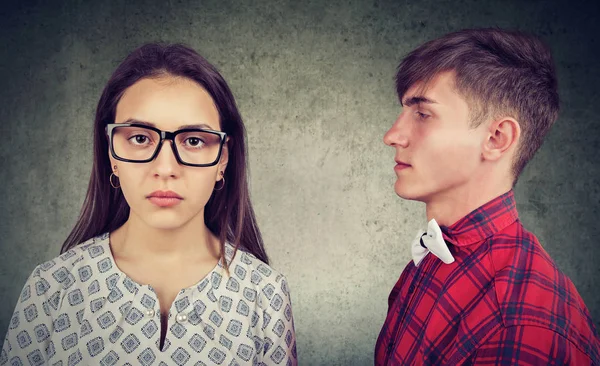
449 207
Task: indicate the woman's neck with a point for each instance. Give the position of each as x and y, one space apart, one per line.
190 241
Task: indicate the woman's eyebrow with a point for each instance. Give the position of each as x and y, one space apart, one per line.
202 126
138 122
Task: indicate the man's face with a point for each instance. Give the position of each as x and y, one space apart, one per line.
437 152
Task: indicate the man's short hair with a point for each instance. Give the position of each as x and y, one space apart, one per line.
500 73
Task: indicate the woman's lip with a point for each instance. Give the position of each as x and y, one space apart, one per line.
164 201
164 194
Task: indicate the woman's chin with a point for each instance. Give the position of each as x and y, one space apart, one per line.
164 221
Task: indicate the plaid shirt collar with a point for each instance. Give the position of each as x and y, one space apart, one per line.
483 222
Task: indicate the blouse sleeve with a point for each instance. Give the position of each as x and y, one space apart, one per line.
27 341
278 327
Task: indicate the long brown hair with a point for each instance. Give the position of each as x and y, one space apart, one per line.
228 212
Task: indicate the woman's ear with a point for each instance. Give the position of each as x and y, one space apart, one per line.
113 166
224 158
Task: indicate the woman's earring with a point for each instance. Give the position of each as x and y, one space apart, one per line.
222 180
111 180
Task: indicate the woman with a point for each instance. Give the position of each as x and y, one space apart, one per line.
158 276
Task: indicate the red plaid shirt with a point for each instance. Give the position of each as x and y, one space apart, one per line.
503 301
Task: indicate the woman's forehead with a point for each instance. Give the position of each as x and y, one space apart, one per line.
168 103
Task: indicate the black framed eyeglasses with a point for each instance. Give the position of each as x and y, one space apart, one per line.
136 143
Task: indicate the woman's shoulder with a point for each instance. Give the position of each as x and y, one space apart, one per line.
64 268
247 267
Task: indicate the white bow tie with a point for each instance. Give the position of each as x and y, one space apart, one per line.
432 241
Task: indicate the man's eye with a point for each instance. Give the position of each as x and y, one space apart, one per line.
421 116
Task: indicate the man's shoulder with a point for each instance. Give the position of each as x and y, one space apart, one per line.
532 291
519 261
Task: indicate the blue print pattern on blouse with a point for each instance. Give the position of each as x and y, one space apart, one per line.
80 309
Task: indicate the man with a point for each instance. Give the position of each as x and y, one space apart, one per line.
480 289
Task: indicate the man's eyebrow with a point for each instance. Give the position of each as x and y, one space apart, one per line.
417 99
202 126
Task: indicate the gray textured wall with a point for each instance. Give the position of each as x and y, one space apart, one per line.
314 82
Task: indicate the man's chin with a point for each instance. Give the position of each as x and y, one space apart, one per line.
408 192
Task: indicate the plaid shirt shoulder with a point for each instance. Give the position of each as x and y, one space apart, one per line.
540 302
503 301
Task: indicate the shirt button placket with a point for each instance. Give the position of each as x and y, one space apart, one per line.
390 348
150 313
402 311
181 318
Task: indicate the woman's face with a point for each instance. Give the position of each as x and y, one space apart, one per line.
169 104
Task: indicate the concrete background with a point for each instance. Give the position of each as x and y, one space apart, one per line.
314 82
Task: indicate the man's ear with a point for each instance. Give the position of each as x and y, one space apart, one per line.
503 136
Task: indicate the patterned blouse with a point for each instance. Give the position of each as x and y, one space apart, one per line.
80 309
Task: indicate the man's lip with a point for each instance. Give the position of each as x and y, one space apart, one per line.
164 194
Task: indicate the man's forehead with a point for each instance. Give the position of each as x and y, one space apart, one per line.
427 91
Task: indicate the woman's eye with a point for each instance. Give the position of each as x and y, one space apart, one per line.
194 142
139 139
